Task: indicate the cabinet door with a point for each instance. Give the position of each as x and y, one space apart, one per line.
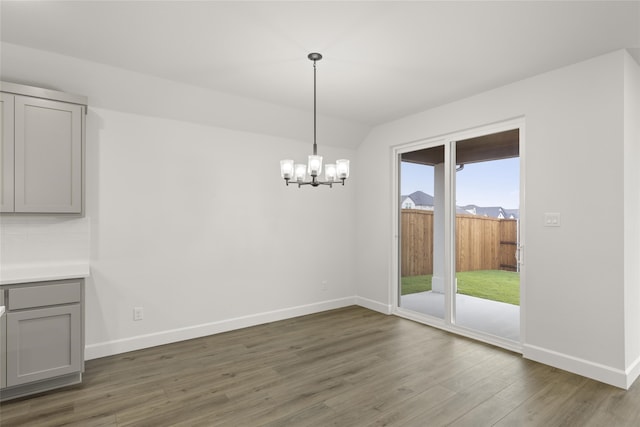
3 334
48 156
43 343
6 152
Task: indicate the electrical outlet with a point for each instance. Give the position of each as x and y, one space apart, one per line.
323 285
138 313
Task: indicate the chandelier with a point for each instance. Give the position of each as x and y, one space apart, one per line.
308 174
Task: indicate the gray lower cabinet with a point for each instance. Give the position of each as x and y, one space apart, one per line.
43 337
42 344
42 147
3 365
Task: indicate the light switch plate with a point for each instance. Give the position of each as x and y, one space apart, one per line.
552 219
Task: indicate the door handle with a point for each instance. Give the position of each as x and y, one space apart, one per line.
520 254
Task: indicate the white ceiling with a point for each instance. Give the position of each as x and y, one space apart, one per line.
382 60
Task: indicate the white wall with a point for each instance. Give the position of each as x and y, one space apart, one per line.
573 160
194 224
192 221
27 240
632 215
131 92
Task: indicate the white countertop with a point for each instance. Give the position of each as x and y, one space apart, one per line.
43 272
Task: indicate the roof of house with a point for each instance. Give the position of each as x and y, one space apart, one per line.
421 198
492 211
513 212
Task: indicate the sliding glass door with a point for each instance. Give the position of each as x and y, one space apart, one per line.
459 227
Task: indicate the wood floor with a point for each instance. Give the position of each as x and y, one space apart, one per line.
346 367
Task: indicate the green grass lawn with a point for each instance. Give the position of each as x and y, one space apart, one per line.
496 285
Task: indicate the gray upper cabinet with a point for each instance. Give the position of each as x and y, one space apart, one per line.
42 156
6 152
48 156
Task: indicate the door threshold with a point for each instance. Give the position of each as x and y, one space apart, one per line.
435 322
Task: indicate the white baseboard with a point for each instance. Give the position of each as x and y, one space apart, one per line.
373 305
109 348
633 372
586 368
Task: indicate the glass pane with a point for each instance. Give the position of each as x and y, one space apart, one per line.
487 221
422 232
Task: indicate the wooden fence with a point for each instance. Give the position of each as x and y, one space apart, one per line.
482 243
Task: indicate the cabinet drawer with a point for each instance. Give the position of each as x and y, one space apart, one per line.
40 296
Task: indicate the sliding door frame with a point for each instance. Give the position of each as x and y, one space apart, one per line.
449 141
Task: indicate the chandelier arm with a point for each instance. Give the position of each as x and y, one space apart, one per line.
316 183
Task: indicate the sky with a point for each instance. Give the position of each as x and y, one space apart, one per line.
494 183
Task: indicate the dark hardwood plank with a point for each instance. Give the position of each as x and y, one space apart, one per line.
346 367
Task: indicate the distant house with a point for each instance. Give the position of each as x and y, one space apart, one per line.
417 200
407 203
489 211
513 213
422 200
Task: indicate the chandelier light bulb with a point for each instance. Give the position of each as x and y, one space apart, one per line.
315 165
300 172
342 168
330 172
286 169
